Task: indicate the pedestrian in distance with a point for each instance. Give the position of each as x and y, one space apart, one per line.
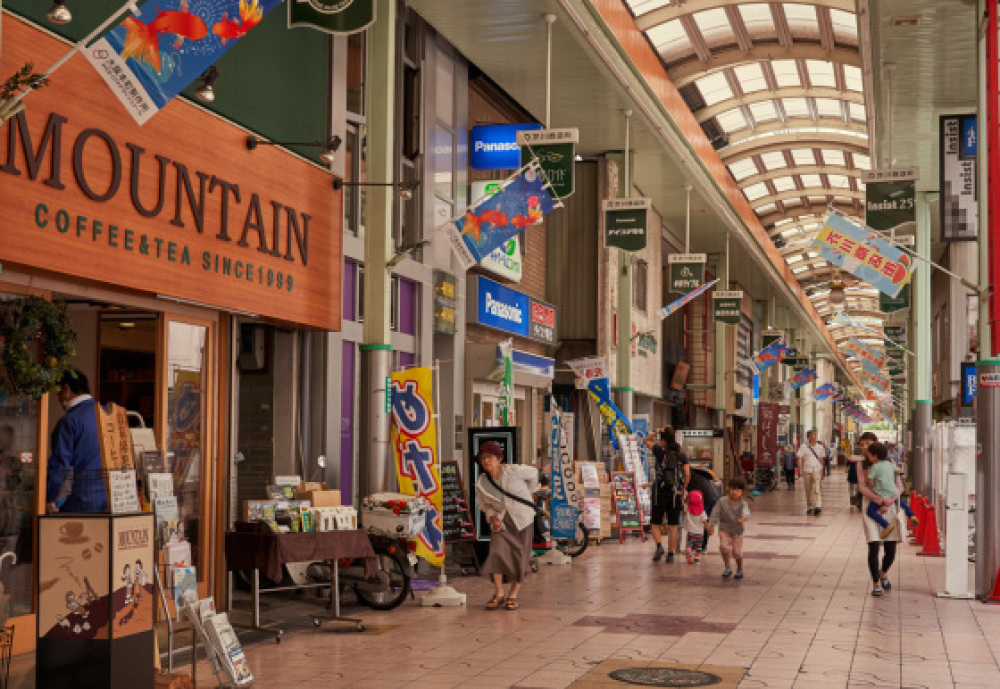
827 458
669 482
789 463
882 481
703 480
811 467
695 524
504 494
730 515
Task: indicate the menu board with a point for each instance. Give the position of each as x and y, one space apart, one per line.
626 505
455 518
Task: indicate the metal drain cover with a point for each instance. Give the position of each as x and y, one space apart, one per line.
665 677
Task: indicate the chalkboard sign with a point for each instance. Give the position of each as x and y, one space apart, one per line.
455 515
508 439
626 505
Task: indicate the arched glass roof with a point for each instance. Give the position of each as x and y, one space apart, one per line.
779 91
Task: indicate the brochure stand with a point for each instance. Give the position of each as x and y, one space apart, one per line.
218 657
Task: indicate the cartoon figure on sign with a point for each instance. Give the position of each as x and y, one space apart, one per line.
127 578
140 581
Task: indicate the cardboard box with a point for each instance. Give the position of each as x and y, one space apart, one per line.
318 494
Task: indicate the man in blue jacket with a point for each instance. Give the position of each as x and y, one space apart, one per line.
75 446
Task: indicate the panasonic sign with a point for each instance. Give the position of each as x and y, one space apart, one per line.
494 146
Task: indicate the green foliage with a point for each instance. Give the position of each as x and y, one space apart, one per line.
36 345
23 79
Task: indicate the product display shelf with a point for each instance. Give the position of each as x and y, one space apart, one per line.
216 655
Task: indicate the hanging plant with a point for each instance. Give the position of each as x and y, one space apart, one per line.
36 345
21 80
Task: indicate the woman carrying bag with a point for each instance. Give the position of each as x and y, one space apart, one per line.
504 494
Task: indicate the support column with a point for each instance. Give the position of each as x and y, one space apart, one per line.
987 479
376 352
923 362
624 393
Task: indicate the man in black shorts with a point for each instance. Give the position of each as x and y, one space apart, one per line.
669 481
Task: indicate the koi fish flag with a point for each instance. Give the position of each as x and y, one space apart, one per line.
153 55
770 355
522 201
678 303
803 377
824 392
864 254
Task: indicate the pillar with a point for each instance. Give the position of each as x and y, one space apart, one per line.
376 352
624 393
922 365
987 478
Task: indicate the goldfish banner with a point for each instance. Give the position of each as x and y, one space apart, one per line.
803 377
522 201
770 355
414 447
864 254
153 55
824 392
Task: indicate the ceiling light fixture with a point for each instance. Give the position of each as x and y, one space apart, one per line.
837 293
330 146
59 13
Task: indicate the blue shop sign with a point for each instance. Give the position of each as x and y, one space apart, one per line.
968 383
969 136
494 146
501 307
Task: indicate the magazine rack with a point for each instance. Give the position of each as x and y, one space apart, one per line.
216 655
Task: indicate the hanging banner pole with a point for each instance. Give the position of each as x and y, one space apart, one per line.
687 222
549 21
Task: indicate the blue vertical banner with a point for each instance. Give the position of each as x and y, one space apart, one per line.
153 55
617 423
564 511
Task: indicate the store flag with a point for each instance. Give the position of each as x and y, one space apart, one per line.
332 16
824 392
803 377
864 254
679 303
564 510
153 55
617 423
770 355
863 352
506 381
414 448
523 201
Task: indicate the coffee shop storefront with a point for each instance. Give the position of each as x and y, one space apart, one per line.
161 240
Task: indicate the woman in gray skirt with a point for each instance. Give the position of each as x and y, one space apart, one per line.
504 494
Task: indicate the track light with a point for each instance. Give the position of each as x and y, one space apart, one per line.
328 155
206 92
59 13
405 189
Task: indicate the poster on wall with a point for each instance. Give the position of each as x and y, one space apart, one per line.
959 207
73 575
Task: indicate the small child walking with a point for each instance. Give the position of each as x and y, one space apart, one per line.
694 526
882 480
730 514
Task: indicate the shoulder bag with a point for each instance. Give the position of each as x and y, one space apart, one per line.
539 515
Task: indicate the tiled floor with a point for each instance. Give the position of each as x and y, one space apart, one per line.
803 617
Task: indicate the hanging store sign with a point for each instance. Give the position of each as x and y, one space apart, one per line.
901 301
555 150
543 322
87 193
890 207
769 337
898 174
767 434
959 207
511 311
588 369
506 261
896 333
968 383
864 254
625 223
332 16
728 306
494 146
687 271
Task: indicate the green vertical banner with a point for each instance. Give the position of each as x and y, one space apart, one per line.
555 150
507 381
728 306
687 271
332 16
625 223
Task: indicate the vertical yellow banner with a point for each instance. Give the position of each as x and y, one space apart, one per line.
414 447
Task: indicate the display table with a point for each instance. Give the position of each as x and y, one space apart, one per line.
268 552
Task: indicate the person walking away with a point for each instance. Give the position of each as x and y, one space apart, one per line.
882 481
694 526
76 447
702 480
789 463
671 473
730 515
504 494
827 458
811 467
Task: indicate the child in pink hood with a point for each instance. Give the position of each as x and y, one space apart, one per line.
694 524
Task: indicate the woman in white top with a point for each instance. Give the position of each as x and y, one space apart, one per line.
500 490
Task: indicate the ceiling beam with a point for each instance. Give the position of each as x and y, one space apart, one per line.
802 211
675 11
803 170
810 191
789 92
797 123
780 142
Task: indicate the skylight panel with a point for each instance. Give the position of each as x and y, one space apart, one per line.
714 88
742 169
732 120
795 107
862 162
853 79
763 112
715 27
857 112
641 7
758 20
821 73
751 77
845 26
786 73
803 156
833 156
783 184
773 160
756 191
766 210
801 19
811 181
839 181
670 40
828 107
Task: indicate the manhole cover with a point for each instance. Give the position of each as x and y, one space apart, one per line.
665 677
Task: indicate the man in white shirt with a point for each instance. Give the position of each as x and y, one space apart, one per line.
811 455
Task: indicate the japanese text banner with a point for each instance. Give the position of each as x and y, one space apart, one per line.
414 448
153 55
864 254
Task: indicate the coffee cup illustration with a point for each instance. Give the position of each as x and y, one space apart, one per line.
71 533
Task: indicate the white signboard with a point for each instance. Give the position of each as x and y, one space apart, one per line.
588 369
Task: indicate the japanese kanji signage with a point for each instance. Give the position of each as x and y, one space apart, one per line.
625 223
555 150
767 434
887 304
864 254
687 271
728 306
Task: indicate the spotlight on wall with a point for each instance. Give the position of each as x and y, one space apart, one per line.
405 189
330 146
59 13
206 92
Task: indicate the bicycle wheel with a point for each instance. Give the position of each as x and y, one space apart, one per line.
395 584
576 545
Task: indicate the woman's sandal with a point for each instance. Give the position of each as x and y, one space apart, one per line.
512 604
495 603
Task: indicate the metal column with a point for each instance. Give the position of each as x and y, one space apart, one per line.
987 476
922 365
